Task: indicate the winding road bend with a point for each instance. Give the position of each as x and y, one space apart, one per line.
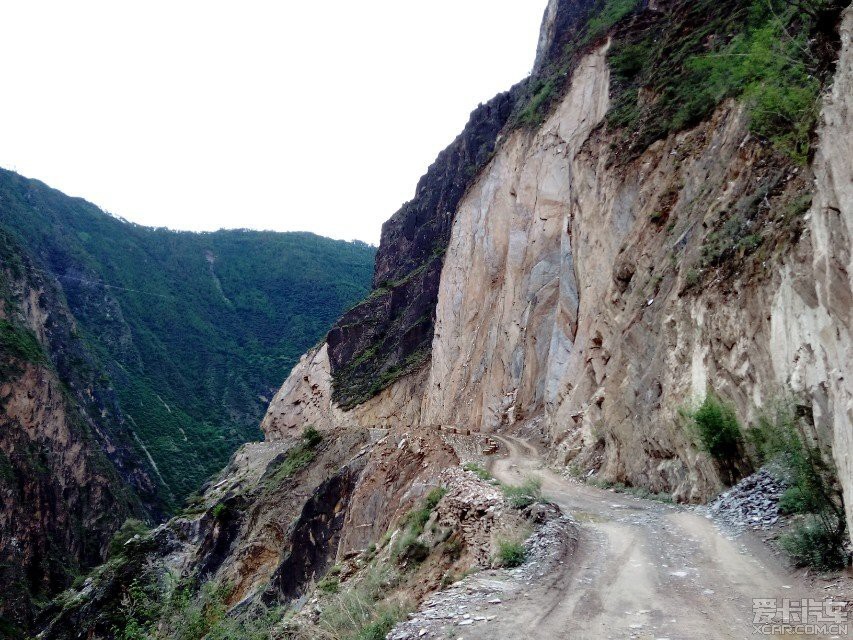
642 569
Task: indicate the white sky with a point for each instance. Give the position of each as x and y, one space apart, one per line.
315 116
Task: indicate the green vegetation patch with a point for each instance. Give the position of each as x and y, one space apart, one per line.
814 544
20 343
409 546
769 54
354 386
123 539
606 15
511 553
819 533
478 470
194 331
296 458
717 428
329 584
363 611
525 494
550 84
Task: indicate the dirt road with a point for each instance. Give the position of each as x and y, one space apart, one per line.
642 569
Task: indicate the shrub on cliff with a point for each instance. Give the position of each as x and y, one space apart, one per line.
818 538
774 56
311 436
123 538
410 546
511 553
19 342
715 429
298 456
525 494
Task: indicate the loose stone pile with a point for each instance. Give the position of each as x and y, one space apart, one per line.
471 507
753 503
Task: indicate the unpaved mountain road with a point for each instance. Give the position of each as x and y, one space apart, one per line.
642 569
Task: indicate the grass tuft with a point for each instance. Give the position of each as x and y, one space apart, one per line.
511 553
525 494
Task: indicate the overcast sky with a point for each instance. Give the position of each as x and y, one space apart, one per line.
200 115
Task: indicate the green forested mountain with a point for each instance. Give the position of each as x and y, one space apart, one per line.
193 331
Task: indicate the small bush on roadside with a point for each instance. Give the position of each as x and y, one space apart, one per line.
795 500
525 494
477 470
718 428
511 553
811 543
715 429
819 539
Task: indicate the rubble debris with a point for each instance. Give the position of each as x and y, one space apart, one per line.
753 503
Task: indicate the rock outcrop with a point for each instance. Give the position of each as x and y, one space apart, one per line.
812 311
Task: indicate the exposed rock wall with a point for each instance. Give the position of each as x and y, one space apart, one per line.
812 311
560 23
391 331
567 295
594 299
389 334
508 301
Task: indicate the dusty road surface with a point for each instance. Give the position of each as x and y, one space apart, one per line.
642 569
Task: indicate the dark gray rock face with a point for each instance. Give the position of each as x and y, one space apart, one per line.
753 503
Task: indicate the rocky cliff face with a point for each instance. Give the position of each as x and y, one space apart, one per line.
812 311
65 485
589 295
390 334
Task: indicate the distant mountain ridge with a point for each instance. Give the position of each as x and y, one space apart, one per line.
193 331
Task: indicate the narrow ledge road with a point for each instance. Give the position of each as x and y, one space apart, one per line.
642 569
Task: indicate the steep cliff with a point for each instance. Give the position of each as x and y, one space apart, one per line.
390 333
67 481
118 343
598 279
